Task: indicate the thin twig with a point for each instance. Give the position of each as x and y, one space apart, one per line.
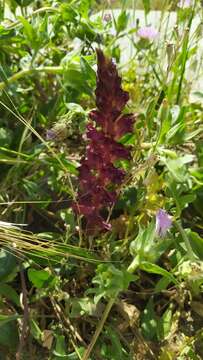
33 71
98 329
25 316
65 321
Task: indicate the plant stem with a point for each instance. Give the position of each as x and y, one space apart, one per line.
22 73
186 240
25 317
38 11
98 329
133 266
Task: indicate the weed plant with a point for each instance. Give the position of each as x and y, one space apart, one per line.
101 196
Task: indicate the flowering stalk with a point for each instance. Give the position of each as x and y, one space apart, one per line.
99 178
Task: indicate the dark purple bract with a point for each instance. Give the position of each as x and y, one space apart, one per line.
99 177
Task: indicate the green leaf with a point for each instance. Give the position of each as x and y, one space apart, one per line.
84 7
143 241
196 242
8 266
8 292
149 321
39 278
68 13
35 330
9 335
156 269
115 347
164 324
110 281
88 72
177 168
165 121
146 4
71 166
122 21
5 137
83 306
75 79
6 33
162 284
60 349
28 30
4 319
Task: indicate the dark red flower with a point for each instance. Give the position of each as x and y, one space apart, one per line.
98 176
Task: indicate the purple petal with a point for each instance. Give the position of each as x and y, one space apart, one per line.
148 32
185 4
163 222
50 135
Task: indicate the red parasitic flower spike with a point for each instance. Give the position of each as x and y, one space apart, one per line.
98 176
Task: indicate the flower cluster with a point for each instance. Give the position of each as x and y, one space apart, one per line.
148 32
99 178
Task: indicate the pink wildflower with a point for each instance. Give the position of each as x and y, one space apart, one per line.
185 4
163 222
148 32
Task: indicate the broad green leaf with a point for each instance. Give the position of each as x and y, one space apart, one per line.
68 13
61 347
9 335
8 266
40 278
4 319
8 292
122 21
147 246
110 281
196 242
75 79
88 72
177 170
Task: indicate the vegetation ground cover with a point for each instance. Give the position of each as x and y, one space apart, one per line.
101 179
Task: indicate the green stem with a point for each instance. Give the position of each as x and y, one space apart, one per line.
38 11
186 240
98 329
185 51
22 73
134 264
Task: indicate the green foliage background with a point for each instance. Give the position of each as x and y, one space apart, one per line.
139 293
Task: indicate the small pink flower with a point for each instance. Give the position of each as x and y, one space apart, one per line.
185 4
148 32
163 222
